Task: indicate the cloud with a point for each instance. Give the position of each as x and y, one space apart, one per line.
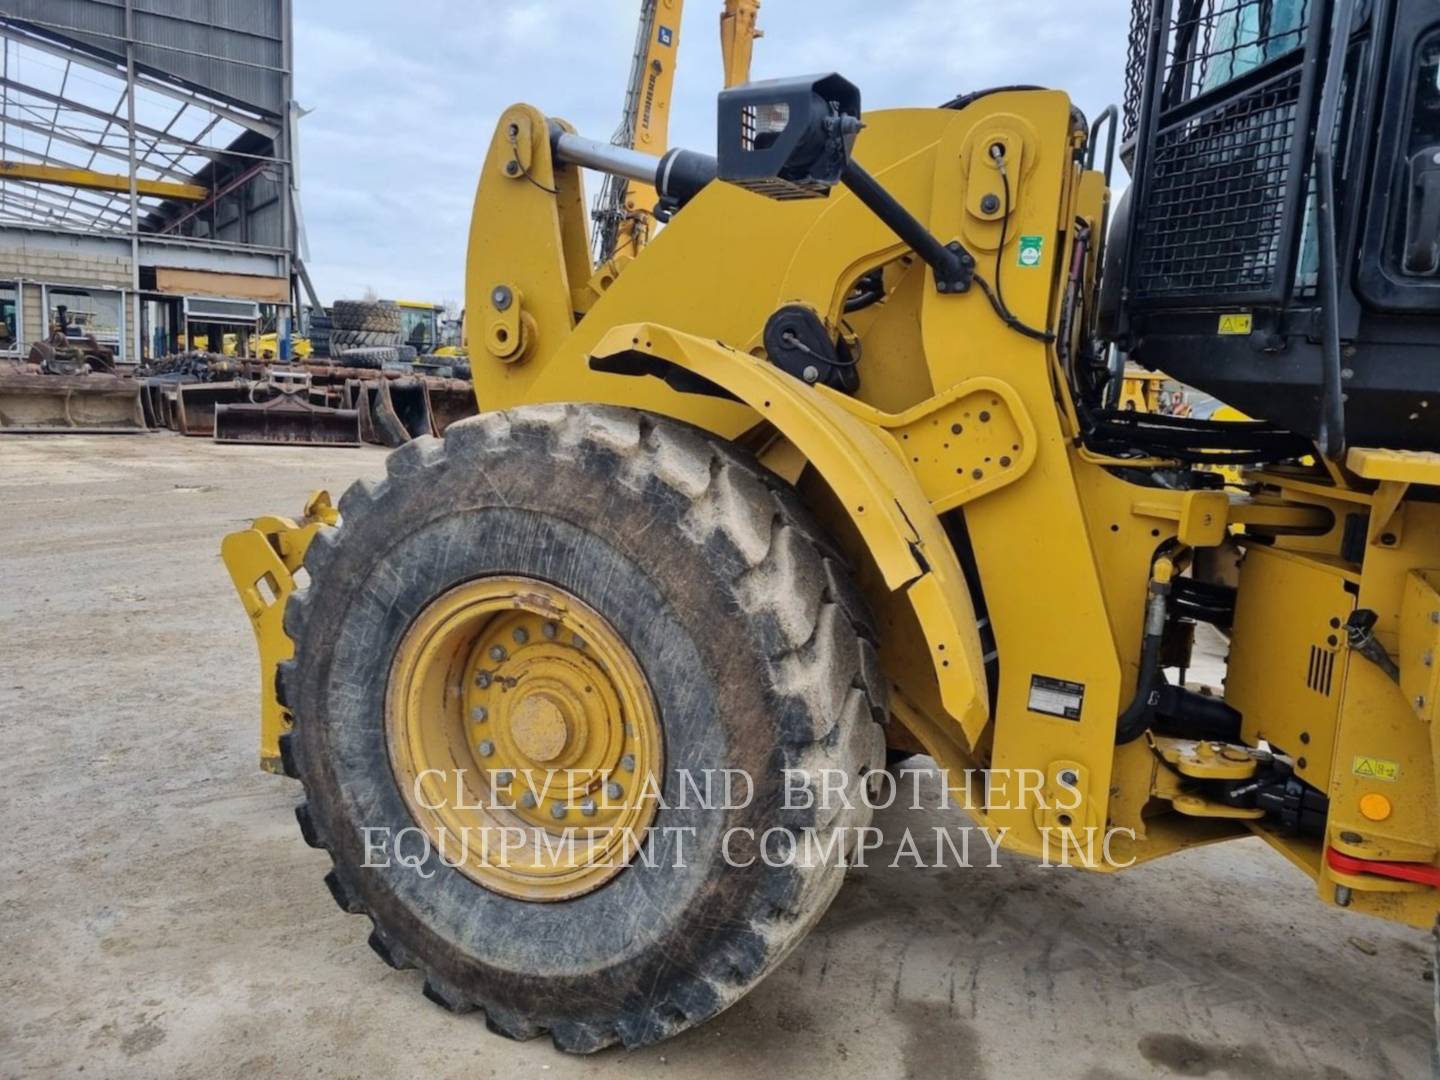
406 96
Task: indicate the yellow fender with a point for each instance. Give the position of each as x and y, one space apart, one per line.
862 465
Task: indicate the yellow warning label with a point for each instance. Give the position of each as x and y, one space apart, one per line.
1235 324
1374 768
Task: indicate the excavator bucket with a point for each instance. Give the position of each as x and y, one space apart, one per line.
410 400
287 419
195 404
392 411
40 404
357 397
450 400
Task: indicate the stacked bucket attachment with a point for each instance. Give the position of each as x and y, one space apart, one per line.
241 400
197 404
282 410
35 403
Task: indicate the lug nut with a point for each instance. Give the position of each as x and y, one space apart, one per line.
628 762
482 679
528 800
479 714
505 778
498 653
521 635
588 808
613 790
558 811
578 641
549 631
486 748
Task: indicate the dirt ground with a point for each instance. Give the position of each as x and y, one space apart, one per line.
161 917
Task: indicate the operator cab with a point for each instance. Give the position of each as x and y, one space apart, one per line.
1236 273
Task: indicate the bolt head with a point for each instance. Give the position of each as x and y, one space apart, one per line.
486 748
504 778
558 811
500 296
614 790
511 168
577 641
810 374
549 631
498 653
479 714
482 679
588 808
628 762
942 286
1420 702
521 635
990 203
1069 778
528 800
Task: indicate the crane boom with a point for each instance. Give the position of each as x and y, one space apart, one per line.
737 38
623 217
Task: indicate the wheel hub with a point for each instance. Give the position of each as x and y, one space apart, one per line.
515 710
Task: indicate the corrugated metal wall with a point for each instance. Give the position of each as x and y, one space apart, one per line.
231 48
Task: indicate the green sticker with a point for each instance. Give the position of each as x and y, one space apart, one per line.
1032 249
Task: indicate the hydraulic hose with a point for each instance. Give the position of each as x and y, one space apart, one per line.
1140 713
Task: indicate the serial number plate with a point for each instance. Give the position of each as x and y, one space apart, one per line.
1056 697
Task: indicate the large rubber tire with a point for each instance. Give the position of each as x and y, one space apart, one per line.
757 648
378 315
369 359
340 340
320 328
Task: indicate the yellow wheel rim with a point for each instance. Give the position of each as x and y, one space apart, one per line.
524 738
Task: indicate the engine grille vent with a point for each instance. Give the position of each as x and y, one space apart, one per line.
1322 670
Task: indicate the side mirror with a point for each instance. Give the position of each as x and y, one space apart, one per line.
788 138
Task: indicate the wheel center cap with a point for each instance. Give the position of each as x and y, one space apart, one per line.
538 727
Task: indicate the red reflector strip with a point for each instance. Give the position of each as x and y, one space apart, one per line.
1421 873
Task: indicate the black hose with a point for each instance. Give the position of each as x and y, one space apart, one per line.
1139 715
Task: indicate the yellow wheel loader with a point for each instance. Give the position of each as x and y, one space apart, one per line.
829 468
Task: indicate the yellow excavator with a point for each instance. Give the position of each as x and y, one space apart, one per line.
627 210
833 466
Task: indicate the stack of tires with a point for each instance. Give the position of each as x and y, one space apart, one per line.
319 332
366 334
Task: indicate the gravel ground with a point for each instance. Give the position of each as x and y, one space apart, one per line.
162 918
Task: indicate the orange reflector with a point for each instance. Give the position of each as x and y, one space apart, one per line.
1375 806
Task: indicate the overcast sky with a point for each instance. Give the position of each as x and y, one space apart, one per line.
406 94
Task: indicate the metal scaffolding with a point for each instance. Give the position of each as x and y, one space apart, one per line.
162 122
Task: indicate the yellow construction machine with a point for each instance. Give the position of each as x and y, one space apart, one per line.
628 209
829 468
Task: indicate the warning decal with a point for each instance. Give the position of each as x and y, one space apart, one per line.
1239 323
1374 768
1056 697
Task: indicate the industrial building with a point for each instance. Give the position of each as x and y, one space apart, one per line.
148 192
